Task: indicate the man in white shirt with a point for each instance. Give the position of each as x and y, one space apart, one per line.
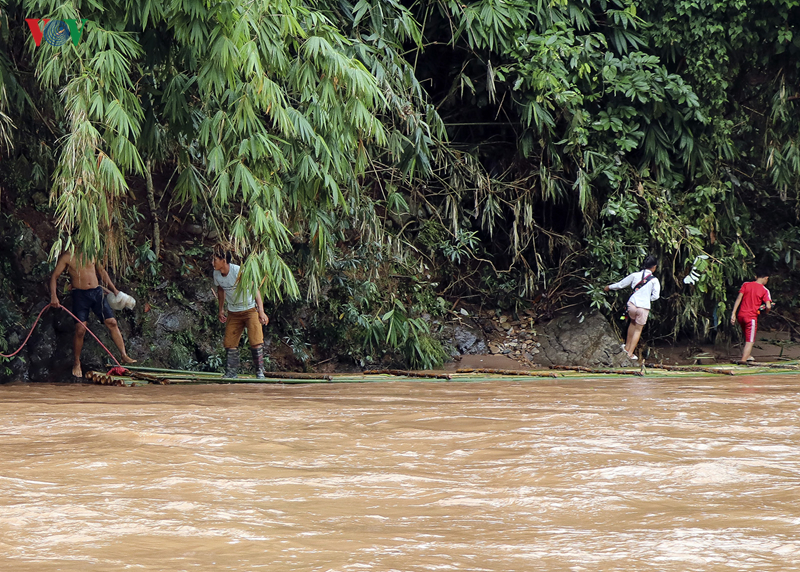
245 311
646 289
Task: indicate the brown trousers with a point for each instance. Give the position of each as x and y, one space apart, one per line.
237 323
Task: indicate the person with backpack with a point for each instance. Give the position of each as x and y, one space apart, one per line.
753 297
646 289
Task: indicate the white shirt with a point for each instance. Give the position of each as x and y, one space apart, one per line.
235 301
650 292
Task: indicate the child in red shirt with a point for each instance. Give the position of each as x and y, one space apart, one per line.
752 296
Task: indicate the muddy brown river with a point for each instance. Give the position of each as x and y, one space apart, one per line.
612 474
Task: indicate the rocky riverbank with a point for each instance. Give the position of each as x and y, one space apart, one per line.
572 337
175 325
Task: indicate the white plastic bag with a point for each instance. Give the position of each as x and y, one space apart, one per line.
121 301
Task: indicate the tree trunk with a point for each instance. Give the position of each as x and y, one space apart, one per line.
151 200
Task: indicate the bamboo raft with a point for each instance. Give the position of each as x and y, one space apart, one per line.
138 375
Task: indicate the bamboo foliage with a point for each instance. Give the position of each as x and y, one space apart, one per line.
99 148
6 79
263 106
546 146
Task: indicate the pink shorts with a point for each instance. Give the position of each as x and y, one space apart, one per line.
638 315
749 328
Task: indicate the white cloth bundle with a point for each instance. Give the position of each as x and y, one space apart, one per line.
697 266
121 301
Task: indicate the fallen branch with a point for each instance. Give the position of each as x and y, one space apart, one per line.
604 371
769 365
292 375
528 373
713 370
405 373
793 325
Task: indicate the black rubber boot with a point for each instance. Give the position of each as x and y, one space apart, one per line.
232 368
258 360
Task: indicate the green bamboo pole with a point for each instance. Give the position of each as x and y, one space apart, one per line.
167 370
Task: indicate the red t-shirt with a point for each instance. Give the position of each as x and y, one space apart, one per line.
753 295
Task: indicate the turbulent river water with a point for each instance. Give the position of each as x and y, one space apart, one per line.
596 474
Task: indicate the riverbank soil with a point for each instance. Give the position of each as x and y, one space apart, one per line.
515 344
770 346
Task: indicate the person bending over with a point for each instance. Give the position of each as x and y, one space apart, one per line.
646 289
87 296
245 312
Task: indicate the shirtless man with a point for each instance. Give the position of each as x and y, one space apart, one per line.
87 295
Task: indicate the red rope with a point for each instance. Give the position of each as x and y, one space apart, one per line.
77 320
91 332
29 335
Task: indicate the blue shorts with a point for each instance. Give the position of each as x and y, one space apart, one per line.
93 300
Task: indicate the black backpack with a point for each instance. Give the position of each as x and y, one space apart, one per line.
644 281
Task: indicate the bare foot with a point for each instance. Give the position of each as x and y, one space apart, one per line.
76 370
128 359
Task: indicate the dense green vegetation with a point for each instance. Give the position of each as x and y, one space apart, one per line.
378 158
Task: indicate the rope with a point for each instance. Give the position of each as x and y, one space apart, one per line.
77 320
95 337
29 335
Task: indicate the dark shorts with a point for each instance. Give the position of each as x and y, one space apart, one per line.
84 301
